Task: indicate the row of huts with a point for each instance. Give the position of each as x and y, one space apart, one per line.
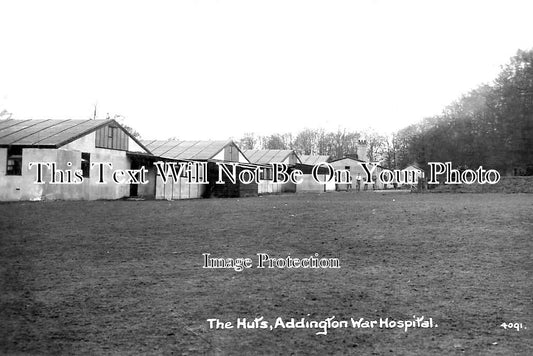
99 159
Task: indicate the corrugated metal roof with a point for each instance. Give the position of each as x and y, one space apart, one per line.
51 133
267 156
8 123
186 150
413 166
312 159
347 157
356 160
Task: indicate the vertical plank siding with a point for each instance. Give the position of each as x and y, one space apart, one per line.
111 137
231 153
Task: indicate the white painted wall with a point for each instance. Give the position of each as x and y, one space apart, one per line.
24 187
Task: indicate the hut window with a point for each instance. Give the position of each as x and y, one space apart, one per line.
86 164
265 173
111 134
14 161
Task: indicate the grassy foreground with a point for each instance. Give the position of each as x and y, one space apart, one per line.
126 277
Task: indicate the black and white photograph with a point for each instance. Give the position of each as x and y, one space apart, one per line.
296 177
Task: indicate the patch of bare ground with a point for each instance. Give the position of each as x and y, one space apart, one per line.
126 277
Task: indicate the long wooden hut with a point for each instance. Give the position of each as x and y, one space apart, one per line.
266 158
209 153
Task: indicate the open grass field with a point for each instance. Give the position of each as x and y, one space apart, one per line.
126 277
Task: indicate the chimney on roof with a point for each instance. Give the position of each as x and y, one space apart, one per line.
362 148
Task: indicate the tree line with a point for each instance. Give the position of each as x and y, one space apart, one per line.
335 144
490 126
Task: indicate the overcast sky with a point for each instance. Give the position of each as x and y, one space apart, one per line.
218 69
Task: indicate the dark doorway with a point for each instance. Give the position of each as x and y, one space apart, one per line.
134 188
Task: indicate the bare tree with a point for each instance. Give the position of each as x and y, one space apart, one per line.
121 119
376 145
248 141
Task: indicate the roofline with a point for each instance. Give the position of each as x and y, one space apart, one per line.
15 122
257 160
355 159
415 166
316 162
175 143
358 160
271 149
298 157
234 144
27 146
240 151
37 145
74 138
307 164
328 156
154 157
104 123
210 159
16 131
131 136
203 149
148 142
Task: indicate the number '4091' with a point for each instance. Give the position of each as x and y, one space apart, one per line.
515 326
